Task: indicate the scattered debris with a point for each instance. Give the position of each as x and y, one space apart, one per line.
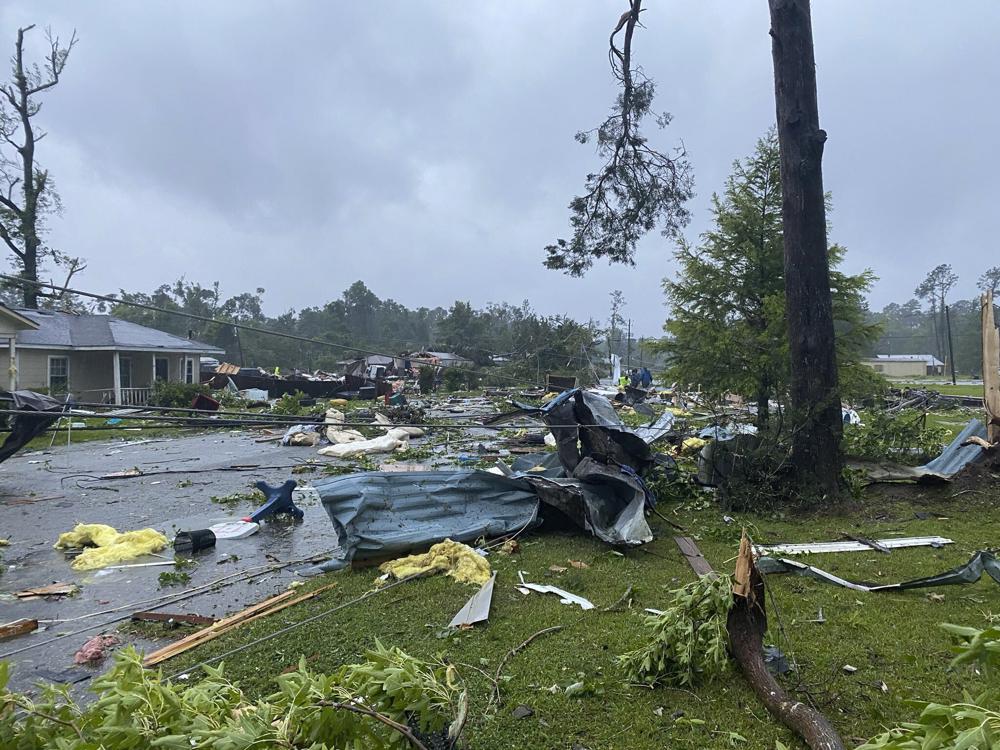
95 650
104 545
982 561
279 500
565 597
52 591
848 669
172 617
261 609
693 555
853 545
522 712
454 559
17 627
477 609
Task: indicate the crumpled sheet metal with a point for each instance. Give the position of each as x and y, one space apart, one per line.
601 499
983 561
388 514
952 460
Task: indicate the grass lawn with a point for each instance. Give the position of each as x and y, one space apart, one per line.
892 639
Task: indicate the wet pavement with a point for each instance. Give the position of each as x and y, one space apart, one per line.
42 496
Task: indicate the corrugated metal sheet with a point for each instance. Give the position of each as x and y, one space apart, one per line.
955 457
385 515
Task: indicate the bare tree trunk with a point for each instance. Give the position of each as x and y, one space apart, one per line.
815 396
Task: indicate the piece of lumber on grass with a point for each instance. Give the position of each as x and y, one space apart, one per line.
746 623
261 609
693 555
18 627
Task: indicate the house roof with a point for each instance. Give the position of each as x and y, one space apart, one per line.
929 359
448 355
19 320
62 330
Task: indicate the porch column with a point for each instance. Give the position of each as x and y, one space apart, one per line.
118 378
12 346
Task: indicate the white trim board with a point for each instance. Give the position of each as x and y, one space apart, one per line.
849 546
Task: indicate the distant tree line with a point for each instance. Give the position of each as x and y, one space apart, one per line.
920 325
514 339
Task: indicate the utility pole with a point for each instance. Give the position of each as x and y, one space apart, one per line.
951 349
628 344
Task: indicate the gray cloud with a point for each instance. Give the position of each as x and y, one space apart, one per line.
426 147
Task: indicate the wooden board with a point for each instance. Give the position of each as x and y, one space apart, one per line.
693 555
16 628
261 609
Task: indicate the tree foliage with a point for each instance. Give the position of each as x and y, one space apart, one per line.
385 702
515 337
638 187
726 330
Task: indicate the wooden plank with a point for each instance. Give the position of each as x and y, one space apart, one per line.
53 589
16 628
991 373
262 609
693 555
173 617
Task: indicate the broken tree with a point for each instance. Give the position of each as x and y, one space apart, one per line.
814 392
991 374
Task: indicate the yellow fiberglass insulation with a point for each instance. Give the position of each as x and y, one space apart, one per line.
103 545
454 559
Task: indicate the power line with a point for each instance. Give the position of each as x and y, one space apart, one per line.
241 326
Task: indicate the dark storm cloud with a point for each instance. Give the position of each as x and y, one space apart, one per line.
426 147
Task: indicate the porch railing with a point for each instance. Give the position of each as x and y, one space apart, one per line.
130 396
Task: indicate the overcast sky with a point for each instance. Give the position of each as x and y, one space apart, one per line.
427 147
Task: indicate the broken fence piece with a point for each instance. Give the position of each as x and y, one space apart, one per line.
565 597
477 609
850 545
981 562
18 627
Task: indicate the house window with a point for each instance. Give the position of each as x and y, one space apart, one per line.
125 371
161 368
58 375
188 370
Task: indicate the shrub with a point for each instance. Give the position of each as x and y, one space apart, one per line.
290 404
175 395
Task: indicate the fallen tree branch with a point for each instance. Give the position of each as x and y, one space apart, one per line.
512 653
621 601
401 728
746 623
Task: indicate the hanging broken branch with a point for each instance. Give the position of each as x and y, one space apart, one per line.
638 187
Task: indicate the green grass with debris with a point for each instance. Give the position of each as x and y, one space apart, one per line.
892 639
